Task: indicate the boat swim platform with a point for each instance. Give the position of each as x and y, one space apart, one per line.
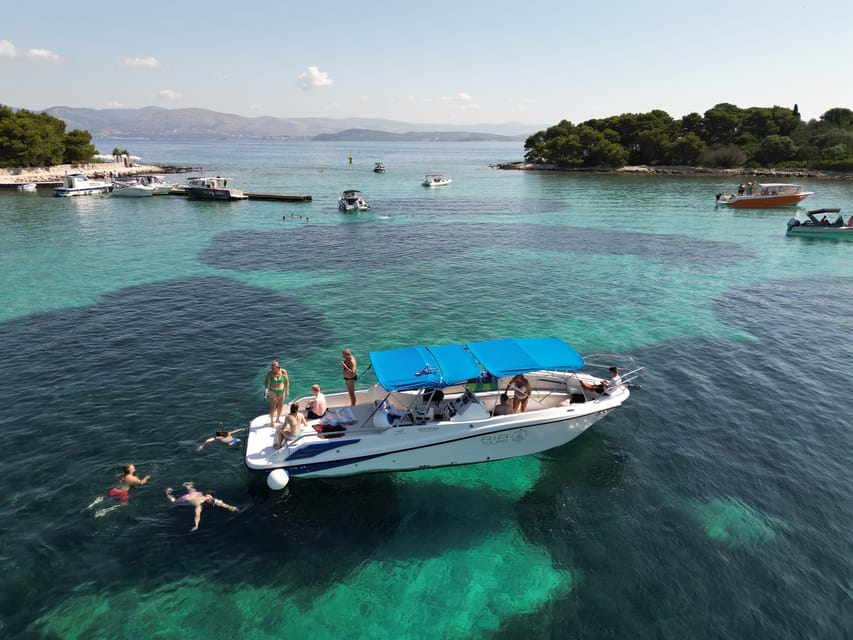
274 197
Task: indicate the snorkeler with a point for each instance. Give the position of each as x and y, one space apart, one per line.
226 437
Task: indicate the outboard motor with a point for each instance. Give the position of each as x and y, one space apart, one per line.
793 222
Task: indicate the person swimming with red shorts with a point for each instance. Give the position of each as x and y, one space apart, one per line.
121 492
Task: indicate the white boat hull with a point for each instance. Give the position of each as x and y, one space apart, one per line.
79 185
425 444
134 191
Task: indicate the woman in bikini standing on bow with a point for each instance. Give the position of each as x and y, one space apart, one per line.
350 371
276 388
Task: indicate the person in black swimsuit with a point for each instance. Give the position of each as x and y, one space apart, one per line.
350 371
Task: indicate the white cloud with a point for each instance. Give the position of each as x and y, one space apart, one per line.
142 63
43 55
461 100
312 78
7 49
171 94
114 104
255 107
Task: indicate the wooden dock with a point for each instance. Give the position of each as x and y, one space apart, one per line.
279 197
273 197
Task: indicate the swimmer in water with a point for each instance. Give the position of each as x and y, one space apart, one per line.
226 437
121 491
198 499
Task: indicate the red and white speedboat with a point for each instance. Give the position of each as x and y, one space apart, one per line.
768 194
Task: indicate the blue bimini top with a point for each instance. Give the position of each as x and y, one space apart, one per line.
423 367
411 368
522 355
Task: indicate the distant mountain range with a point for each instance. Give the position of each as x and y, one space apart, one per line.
156 122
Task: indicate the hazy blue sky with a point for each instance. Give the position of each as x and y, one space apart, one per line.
530 61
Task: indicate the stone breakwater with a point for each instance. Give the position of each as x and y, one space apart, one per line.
654 170
98 170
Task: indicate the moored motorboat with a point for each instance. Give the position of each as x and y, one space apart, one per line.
379 168
209 188
131 189
768 194
435 180
830 225
352 200
160 186
78 184
433 407
28 187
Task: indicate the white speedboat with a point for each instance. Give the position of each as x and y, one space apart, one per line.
79 185
432 407
160 186
206 188
131 189
435 180
28 187
352 200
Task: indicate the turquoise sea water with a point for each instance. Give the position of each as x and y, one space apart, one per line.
716 504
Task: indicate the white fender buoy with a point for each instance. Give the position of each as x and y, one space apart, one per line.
382 419
278 479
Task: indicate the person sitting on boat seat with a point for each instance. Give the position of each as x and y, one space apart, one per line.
823 220
292 427
317 406
609 387
502 408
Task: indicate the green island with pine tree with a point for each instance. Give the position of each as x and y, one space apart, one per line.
725 138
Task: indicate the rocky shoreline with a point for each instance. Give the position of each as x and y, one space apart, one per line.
98 170
655 170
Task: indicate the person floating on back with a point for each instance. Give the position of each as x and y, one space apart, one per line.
198 499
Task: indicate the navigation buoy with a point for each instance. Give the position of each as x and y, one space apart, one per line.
277 479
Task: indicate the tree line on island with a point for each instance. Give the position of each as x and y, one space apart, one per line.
29 139
724 137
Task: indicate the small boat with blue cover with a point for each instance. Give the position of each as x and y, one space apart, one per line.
435 407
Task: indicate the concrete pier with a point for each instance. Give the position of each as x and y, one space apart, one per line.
275 197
